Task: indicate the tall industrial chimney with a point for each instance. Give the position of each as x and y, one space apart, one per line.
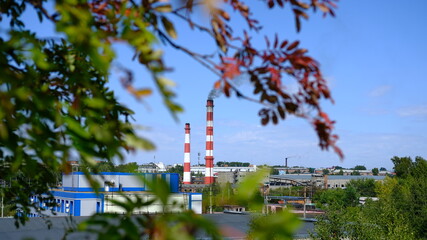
209 179
187 174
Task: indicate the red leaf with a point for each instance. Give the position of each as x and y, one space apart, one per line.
284 43
276 40
267 41
292 46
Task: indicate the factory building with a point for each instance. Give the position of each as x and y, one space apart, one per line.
322 181
233 177
77 198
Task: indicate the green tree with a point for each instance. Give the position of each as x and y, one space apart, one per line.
400 212
375 171
359 167
383 169
131 167
402 166
274 171
325 171
365 187
338 197
105 166
177 169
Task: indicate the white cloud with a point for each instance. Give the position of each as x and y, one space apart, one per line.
413 111
380 91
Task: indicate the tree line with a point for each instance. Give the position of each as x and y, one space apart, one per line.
400 212
232 164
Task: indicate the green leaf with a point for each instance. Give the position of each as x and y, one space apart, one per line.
160 188
137 142
248 192
281 225
164 8
97 103
170 29
75 127
166 82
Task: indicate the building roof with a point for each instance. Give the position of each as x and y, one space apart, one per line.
330 177
351 177
293 176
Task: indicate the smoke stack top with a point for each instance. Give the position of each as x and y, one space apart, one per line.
210 102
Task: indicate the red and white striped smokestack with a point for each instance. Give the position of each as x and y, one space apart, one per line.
209 179
187 174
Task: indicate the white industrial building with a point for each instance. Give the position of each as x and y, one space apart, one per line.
202 169
77 198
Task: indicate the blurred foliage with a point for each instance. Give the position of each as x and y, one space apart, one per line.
56 106
131 224
281 225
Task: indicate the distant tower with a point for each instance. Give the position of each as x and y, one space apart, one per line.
209 159
187 174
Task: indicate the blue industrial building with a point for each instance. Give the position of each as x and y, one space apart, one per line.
77 198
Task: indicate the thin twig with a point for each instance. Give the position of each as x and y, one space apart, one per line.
200 27
38 5
192 54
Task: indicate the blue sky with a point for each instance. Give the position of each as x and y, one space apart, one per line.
373 54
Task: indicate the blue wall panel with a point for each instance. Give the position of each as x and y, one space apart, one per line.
174 182
77 207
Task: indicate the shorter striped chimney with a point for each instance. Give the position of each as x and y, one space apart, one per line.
187 174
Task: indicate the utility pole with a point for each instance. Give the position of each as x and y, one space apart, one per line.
305 199
210 199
